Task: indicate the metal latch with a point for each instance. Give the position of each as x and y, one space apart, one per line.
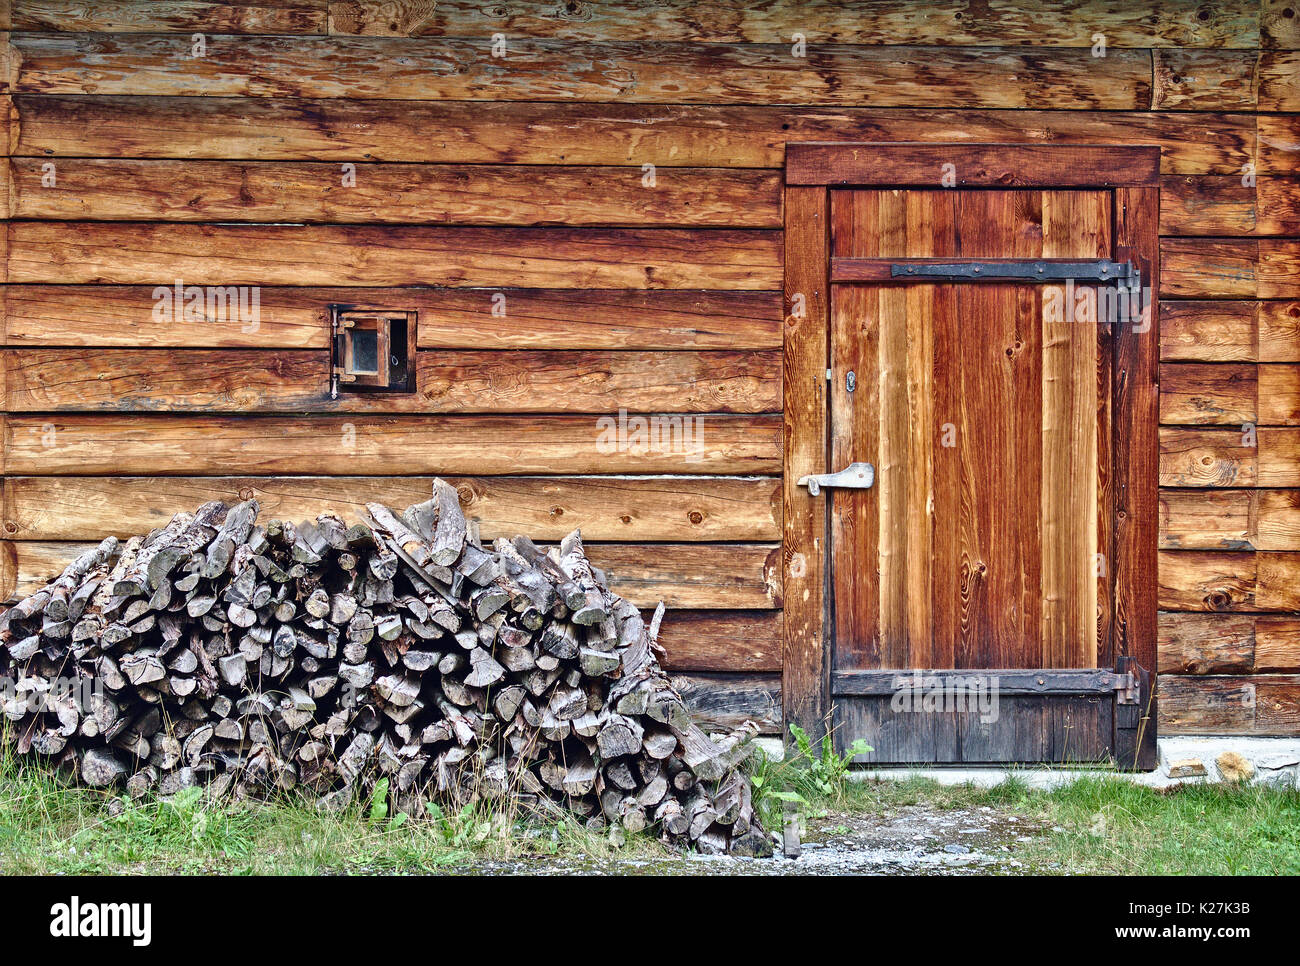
855 476
1126 688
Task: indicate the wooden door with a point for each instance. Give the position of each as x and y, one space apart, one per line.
982 557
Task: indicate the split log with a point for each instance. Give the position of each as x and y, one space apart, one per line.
256 659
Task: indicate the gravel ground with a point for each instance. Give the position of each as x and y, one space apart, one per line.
909 840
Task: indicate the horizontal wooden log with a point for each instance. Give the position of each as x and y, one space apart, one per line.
1230 519
729 700
722 640
1205 80
233 255
1220 394
447 381
700 576
1279 27
402 194
704 575
1279 80
1256 582
298 318
541 70
752 136
1225 457
394 445
1208 205
1277 137
1265 268
1056 23
1230 331
1228 643
52 508
986 165
1229 705
526 381
185 16
1278 206
1223 205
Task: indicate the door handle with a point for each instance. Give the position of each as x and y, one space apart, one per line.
855 476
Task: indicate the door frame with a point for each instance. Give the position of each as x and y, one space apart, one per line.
812 169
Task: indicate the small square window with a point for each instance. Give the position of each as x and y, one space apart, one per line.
372 350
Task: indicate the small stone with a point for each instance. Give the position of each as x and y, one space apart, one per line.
1187 768
956 849
753 844
1234 768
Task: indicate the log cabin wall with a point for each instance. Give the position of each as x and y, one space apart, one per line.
614 181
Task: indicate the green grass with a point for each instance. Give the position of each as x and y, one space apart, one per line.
1097 825
50 827
1106 825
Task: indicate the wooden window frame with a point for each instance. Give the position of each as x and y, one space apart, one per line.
347 319
812 170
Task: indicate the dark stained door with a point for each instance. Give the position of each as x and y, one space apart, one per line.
981 557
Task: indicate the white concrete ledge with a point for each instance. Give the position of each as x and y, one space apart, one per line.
1182 760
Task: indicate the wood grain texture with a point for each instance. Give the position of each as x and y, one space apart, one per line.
1208 205
133 254
1279 206
542 70
381 445
1056 23
1225 457
1266 268
690 576
1247 581
752 136
1278 139
1075 511
1228 643
1135 448
1226 394
803 563
1229 205
1215 331
1229 705
1279 80
748 641
184 16
687 509
1230 519
727 701
457 381
1007 165
977 546
402 194
1279 27
1205 80
505 318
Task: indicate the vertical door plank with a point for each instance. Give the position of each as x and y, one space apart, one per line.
859 221
998 443
1075 224
894 416
1136 449
807 299
854 521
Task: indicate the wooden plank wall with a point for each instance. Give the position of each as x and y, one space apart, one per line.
182 139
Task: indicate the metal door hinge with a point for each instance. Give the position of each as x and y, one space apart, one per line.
1101 270
855 476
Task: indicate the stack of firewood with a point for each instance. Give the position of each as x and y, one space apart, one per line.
254 658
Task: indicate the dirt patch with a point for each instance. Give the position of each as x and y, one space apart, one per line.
906 840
